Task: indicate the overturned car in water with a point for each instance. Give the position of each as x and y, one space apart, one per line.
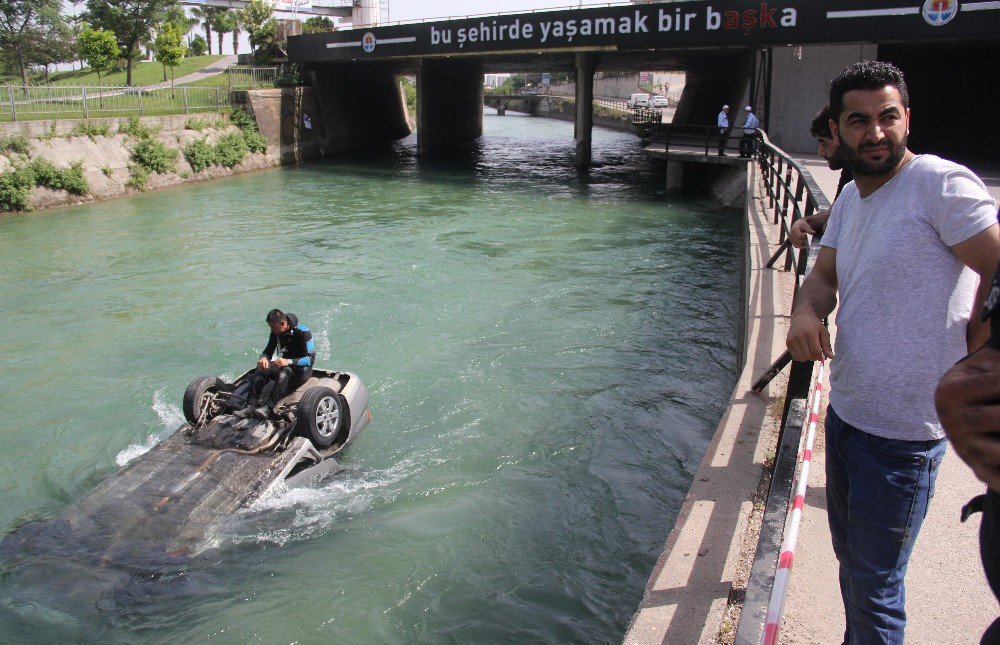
212 466
129 540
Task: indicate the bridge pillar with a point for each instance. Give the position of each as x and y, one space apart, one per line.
449 104
360 107
584 122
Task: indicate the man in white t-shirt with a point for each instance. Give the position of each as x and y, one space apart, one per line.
903 248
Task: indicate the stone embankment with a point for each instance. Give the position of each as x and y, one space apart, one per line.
288 119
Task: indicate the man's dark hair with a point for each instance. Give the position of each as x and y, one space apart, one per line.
821 124
866 75
275 316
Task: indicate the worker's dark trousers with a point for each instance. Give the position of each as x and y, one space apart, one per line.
285 379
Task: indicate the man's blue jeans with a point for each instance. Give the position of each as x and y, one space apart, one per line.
877 492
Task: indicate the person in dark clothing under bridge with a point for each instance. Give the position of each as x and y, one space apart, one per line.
296 355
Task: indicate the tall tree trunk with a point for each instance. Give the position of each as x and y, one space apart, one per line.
165 72
20 63
129 55
236 42
221 34
208 34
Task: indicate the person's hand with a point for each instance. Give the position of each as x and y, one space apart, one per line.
798 232
808 338
282 362
263 363
968 404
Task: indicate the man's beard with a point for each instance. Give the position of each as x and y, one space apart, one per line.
860 166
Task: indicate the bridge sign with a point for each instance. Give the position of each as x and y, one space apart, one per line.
668 25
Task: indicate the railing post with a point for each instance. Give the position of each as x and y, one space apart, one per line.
184 91
777 187
140 101
13 108
83 89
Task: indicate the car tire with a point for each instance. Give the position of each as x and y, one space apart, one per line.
194 395
322 416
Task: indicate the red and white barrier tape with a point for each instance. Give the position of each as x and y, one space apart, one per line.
780 589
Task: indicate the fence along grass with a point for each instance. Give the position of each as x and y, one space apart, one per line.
81 102
32 102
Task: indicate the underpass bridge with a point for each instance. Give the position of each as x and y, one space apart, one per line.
775 55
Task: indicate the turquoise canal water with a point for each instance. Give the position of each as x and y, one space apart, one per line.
548 354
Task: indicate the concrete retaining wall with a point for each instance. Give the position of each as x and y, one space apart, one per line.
106 159
800 88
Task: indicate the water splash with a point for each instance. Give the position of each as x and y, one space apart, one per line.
297 514
170 417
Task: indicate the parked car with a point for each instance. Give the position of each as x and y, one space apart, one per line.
638 100
658 101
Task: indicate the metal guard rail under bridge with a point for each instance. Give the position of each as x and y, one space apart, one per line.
792 193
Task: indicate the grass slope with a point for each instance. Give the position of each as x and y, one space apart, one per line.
142 73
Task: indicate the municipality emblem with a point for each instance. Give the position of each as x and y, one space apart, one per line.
939 12
368 42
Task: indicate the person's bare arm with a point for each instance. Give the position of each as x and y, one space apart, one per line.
808 338
804 226
981 252
968 405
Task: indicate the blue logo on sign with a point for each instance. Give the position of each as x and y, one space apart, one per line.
939 12
368 42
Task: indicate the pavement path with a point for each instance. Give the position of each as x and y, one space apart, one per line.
948 599
215 68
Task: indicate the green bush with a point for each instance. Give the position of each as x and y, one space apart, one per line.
17 143
69 179
199 154
255 141
45 174
90 130
136 129
138 176
195 124
107 170
73 179
154 155
243 120
231 149
15 188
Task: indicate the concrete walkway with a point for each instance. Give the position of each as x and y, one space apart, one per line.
215 68
948 600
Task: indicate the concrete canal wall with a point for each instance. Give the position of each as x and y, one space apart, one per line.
287 118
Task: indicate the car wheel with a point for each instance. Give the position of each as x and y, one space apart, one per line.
323 414
196 393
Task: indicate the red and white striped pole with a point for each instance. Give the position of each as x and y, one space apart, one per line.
780 589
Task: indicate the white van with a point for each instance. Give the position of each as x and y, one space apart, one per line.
638 100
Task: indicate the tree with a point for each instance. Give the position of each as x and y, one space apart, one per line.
170 47
255 18
317 24
99 48
197 47
206 15
130 20
20 20
223 22
51 45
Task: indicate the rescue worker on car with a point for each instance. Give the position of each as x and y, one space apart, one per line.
296 354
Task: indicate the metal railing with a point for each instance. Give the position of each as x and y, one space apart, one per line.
20 102
252 77
791 193
682 135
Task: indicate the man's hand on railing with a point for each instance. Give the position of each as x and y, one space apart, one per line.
797 234
808 338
